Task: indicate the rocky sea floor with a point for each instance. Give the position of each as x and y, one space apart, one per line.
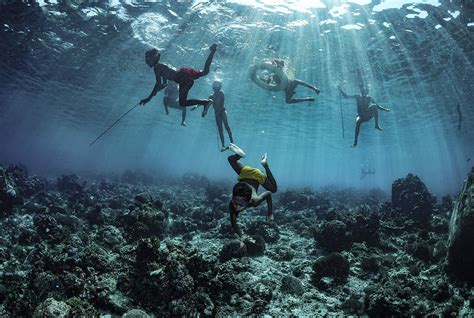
131 247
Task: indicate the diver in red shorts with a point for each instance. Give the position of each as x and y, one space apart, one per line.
184 78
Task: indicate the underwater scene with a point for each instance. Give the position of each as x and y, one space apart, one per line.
236 158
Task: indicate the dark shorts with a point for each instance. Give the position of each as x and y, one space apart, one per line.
365 116
187 74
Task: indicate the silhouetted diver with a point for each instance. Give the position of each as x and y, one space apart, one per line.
365 171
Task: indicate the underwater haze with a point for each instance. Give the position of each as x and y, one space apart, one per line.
110 209
69 69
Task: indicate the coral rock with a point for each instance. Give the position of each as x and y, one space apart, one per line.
461 234
334 265
52 308
256 248
411 198
334 236
233 249
292 285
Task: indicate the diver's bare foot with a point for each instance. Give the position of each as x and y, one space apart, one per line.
354 145
234 148
206 108
213 47
379 128
224 148
183 124
264 160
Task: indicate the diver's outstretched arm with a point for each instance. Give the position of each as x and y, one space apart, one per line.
267 195
346 95
378 106
159 85
382 108
233 220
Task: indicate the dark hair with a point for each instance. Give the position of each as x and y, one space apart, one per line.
242 189
151 53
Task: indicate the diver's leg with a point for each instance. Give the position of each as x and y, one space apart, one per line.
219 128
207 65
227 127
234 163
183 96
357 130
183 117
299 82
289 92
299 100
270 183
375 113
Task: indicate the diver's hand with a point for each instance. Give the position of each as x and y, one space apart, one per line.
144 101
264 160
248 239
213 47
387 109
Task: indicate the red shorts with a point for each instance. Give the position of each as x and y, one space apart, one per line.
187 74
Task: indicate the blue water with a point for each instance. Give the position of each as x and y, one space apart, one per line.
68 71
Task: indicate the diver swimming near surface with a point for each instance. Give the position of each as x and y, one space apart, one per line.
184 77
170 100
244 193
220 112
366 109
272 76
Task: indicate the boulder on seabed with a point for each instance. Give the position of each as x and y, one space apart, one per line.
334 265
461 234
411 198
233 249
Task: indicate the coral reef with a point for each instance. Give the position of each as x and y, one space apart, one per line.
133 248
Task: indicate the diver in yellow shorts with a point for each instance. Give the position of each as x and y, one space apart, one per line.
244 193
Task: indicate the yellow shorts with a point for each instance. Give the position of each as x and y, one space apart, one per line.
248 172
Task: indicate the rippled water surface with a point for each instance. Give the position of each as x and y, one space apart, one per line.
69 69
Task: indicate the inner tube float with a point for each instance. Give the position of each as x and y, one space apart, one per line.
269 76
